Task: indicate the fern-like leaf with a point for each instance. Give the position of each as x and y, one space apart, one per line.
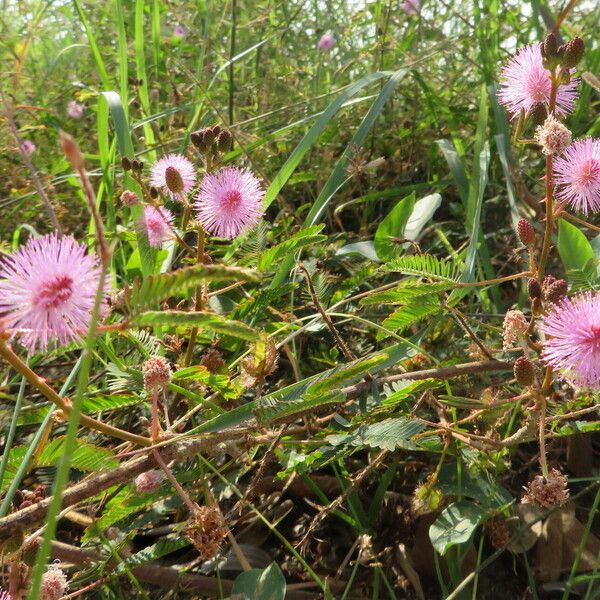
425 265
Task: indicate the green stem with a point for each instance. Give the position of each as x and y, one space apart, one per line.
12 429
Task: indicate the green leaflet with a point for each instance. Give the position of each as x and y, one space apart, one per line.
425 265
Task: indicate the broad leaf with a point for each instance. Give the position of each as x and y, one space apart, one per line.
455 525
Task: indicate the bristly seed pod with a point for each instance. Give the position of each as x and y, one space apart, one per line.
556 291
526 232
173 180
524 371
574 51
534 288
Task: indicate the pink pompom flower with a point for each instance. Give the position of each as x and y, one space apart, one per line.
148 482
179 31
28 147
158 224
525 83
411 7
326 42
48 290
54 584
75 110
577 175
183 167
229 202
572 345
4 595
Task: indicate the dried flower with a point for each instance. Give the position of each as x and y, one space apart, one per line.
326 42
75 110
572 346
157 373
206 530
129 198
261 363
229 202
148 482
552 136
54 584
28 147
182 166
577 175
547 492
212 359
498 531
515 325
157 222
411 7
556 291
525 83
47 291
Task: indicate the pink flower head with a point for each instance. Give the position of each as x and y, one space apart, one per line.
179 163
157 223
28 147
47 291
75 110
577 173
179 31
4 595
54 584
411 7
326 42
148 482
525 83
572 346
229 201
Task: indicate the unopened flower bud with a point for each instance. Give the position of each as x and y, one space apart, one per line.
524 371
125 163
552 136
154 193
526 232
196 139
534 288
173 180
148 482
71 150
556 291
225 140
129 198
137 165
157 373
573 54
550 46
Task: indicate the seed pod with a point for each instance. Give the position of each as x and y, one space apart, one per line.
524 371
526 232
574 51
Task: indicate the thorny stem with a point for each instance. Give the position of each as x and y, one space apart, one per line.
7 353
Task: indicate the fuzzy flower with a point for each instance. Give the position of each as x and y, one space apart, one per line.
229 202
157 373
157 223
47 291
411 7
75 109
525 83
28 147
572 346
54 584
129 198
179 165
206 530
552 136
4 595
577 174
326 42
179 31
547 492
515 325
148 482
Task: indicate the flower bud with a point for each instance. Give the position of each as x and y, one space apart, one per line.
534 288
526 232
173 180
148 482
524 371
550 46
225 140
154 193
574 51
196 139
129 198
556 291
125 163
71 150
